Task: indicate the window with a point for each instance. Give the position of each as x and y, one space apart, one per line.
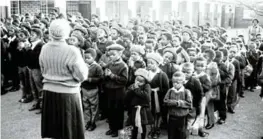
72 7
15 7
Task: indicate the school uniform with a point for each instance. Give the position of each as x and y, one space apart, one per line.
226 80
252 58
232 94
90 97
242 63
34 70
178 109
115 88
160 84
169 70
138 102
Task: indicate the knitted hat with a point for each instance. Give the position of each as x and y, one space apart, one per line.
115 47
80 28
106 30
155 56
24 32
59 29
189 31
92 52
79 37
142 72
36 28
118 30
44 21
137 48
171 50
168 36
26 25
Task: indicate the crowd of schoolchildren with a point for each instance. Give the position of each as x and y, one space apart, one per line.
165 75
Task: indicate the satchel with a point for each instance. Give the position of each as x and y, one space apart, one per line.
248 69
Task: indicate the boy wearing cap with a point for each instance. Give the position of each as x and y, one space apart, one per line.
33 64
116 76
160 84
90 89
138 101
178 99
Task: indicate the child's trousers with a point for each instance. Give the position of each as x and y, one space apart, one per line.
177 127
90 101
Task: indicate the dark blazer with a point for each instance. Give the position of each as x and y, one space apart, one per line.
33 56
196 90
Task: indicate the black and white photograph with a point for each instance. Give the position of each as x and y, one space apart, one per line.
131 69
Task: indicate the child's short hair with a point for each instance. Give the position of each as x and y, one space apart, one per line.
219 54
211 53
179 74
200 58
187 65
149 41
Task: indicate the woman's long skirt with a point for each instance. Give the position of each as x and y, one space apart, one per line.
62 116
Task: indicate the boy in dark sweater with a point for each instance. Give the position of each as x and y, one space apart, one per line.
116 77
90 89
179 102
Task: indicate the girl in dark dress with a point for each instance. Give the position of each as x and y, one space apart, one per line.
160 84
138 101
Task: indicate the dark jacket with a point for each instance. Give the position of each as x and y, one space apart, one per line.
196 90
119 76
33 56
224 74
169 70
94 77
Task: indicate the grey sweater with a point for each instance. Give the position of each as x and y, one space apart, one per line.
62 67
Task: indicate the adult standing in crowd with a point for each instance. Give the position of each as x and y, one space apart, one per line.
63 69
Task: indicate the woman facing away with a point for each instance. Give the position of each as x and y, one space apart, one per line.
63 69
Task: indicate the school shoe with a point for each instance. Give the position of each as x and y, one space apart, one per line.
34 107
13 89
230 110
39 112
92 127
221 121
203 134
209 126
87 126
109 132
242 95
114 134
150 134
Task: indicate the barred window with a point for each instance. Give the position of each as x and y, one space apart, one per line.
15 7
72 7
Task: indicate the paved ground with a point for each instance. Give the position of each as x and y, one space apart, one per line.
18 123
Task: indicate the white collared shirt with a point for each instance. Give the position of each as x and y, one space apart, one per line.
152 74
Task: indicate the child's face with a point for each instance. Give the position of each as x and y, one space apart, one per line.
232 52
200 66
151 64
186 36
140 81
149 48
88 58
164 40
114 55
176 41
188 72
192 55
135 56
178 82
167 57
73 41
